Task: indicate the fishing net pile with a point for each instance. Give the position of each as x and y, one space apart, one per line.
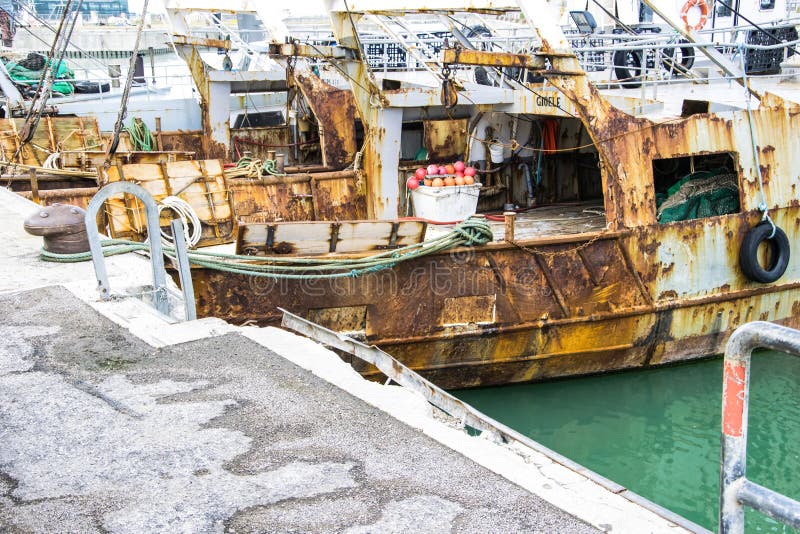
27 72
700 194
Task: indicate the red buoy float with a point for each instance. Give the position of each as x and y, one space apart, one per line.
703 6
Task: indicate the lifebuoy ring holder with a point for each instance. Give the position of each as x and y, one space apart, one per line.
703 6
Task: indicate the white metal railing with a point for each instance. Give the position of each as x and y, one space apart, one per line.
736 491
657 54
595 51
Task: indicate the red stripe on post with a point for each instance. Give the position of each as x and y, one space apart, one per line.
733 399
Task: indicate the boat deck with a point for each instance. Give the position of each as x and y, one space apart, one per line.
552 220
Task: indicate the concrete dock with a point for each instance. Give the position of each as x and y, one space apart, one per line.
115 419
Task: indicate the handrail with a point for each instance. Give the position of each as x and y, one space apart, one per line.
160 298
736 491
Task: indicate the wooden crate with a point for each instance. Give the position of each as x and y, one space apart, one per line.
200 183
54 134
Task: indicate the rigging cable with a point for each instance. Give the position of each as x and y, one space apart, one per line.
140 135
189 217
48 74
123 107
756 160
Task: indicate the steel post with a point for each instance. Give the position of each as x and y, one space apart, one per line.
184 269
771 503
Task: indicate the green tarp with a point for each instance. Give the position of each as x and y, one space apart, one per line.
24 76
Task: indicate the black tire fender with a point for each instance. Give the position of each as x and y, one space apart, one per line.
628 67
779 253
682 66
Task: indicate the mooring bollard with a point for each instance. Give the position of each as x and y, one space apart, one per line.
509 217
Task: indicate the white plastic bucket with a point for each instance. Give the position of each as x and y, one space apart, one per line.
445 204
496 153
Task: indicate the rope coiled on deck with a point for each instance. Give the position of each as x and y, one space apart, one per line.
141 138
471 232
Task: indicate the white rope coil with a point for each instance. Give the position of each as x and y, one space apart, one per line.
187 215
52 161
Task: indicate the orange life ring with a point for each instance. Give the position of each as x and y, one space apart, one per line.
703 5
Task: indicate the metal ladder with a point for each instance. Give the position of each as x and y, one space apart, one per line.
736 491
160 298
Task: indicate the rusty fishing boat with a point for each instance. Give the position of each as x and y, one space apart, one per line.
658 227
641 228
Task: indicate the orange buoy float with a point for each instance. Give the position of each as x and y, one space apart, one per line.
703 6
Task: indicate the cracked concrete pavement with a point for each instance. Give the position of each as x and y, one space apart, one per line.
102 432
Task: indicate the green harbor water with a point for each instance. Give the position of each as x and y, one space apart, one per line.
657 432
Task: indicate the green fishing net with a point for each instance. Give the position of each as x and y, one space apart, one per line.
697 195
23 75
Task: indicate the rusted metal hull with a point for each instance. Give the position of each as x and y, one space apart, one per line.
499 314
317 196
611 352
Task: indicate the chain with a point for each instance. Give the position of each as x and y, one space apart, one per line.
449 95
536 252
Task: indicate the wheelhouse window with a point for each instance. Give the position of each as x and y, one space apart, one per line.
259 119
694 187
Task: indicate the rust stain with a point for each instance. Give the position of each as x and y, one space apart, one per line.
184 141
468 293
323 196
335 111
260 140
76 196
338 198
199 71
272 200
445 139
54 134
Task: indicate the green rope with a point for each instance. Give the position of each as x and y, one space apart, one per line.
141 138
472 232
270 167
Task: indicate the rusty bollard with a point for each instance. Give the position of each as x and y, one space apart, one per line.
62 227
509 217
